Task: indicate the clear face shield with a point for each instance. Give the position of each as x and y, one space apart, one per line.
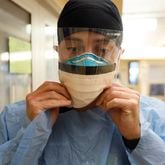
88 48
88 59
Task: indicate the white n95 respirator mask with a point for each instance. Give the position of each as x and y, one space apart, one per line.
85 77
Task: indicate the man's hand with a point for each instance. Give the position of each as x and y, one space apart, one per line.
50 95
123 106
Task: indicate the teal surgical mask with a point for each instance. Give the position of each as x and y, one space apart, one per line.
87 64
87 60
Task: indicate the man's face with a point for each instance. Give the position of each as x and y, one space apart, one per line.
81 42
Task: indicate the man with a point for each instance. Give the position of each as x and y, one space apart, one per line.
86 119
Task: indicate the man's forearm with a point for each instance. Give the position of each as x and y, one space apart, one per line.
150 148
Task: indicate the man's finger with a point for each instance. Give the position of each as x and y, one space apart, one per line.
52 86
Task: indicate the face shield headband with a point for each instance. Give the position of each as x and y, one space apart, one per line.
64 32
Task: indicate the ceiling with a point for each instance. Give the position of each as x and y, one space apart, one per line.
154 8
53 6
57 5
144 7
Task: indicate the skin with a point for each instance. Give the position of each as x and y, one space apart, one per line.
50 95
120 102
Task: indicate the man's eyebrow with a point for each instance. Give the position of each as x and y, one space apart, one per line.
103 40
73 39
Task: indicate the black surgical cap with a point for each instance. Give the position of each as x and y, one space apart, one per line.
90 14
101 14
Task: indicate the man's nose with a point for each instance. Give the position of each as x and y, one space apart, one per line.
88 48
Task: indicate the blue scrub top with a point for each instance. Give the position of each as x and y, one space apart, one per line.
80 138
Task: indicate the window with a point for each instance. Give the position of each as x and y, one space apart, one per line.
14 82
133 75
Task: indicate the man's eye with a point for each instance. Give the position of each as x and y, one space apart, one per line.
75 50
102 51
72 49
